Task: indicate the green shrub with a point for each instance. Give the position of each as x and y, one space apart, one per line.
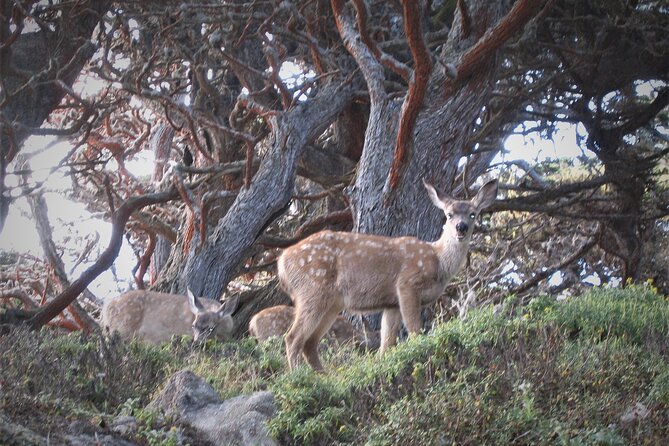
96 372
549 373
636 314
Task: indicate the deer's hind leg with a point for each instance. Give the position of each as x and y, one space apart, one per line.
308 317
312 343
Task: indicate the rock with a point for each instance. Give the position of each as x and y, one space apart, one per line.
237 421
637 413
184 392
12 434
98 440
124 425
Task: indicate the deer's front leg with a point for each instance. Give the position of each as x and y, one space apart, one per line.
390 324
409 308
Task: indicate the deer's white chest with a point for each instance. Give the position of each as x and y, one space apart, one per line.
452 257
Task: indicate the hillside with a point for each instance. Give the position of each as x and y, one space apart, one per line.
592 370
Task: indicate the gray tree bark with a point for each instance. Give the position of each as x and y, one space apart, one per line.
440 136
209 268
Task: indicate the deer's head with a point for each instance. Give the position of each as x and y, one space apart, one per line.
217 324
461 214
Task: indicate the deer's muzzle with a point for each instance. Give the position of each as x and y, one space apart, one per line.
461 229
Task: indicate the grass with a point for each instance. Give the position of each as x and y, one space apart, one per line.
547 373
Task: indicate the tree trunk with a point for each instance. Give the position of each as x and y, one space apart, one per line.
440 138
253 301
208 268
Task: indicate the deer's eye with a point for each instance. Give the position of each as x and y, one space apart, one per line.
472 216
449 215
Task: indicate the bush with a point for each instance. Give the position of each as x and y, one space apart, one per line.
551 373
636 314
92 373
547 373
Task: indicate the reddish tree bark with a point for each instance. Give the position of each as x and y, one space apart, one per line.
417 88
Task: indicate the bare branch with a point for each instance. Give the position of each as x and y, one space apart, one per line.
546 273
539 181
119 219
465 18
144 261
417 89
371 69
521 13
387 60
20 294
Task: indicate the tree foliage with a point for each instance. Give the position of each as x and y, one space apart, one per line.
269 120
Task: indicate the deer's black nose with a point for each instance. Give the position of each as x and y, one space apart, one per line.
461 227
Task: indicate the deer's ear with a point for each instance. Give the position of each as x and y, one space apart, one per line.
434 196
193 302
229 306
486 195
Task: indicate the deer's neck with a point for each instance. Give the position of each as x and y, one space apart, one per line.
452 254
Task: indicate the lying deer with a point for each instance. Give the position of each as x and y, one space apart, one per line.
275 321
331 271
155 317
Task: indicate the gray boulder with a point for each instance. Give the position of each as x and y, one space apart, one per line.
184 392
237 421
13 434
98 440
124 425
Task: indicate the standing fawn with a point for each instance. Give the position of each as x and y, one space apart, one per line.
155 317
331 271
275 321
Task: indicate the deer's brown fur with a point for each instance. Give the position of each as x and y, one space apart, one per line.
155 317
332 271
